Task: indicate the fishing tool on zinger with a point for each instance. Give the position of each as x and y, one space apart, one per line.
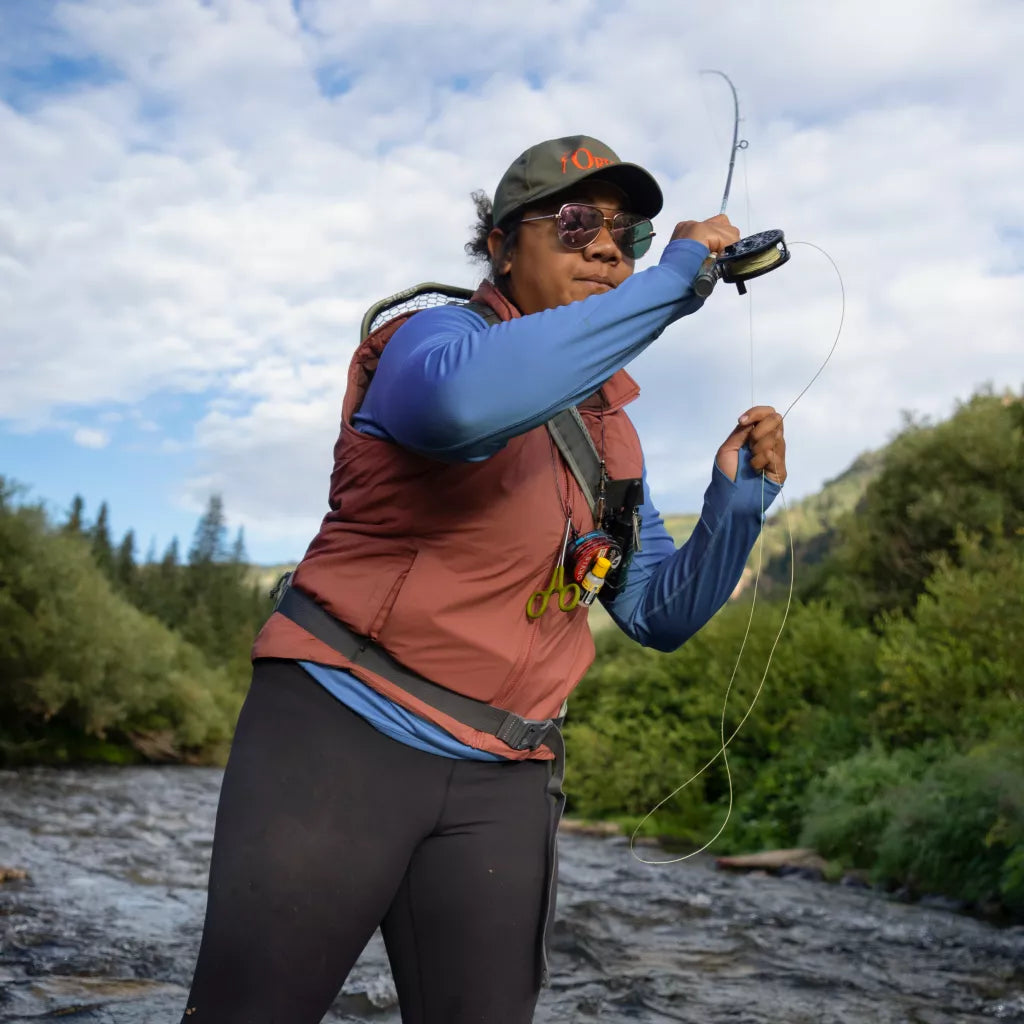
751 256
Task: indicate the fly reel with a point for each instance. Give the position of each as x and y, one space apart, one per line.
749 257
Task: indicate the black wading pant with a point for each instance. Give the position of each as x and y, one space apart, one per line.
326 829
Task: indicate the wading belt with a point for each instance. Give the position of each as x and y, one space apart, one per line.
518 732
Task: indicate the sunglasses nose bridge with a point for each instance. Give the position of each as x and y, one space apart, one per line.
603 232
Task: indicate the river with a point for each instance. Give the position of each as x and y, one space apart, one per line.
106 926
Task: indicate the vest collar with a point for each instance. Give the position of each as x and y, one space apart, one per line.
490 296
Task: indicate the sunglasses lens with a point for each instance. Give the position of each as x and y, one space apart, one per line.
632 234
579 225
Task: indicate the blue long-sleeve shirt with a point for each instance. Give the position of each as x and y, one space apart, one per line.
441 388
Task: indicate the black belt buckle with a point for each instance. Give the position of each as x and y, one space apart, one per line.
523 733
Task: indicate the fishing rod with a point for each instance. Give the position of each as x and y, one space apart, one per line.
751 256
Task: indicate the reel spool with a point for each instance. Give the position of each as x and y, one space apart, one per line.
748 258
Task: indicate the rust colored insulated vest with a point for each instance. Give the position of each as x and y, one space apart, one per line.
435 560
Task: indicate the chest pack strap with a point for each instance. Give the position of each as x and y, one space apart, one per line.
568 431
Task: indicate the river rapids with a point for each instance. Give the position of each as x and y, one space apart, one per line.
106 926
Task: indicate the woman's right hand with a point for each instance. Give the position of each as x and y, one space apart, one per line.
715 232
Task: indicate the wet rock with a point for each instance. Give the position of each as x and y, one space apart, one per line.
804 874
854 880
87 998
937 902
12 874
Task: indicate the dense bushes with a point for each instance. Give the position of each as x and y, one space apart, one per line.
643 723
929 819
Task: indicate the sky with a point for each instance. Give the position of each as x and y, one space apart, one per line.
199 200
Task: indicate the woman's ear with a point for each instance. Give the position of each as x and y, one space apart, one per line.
495 246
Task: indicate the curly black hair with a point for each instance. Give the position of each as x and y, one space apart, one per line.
476 247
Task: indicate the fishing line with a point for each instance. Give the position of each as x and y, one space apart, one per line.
748 258
839 330
724 742
750 301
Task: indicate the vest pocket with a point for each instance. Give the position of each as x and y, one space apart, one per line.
384 611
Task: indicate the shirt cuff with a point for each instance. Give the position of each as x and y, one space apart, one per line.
684 256
744 494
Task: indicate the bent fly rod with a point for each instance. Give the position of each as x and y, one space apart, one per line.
751 256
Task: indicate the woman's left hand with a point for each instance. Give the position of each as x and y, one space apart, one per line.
760 429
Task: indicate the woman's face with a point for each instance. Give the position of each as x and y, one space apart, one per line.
544 274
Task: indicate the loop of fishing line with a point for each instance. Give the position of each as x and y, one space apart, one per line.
759 261
724 742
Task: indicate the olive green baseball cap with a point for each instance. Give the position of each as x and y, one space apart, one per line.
558 164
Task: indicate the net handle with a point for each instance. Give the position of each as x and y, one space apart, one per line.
450 290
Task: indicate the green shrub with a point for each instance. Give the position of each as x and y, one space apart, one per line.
850 807
954 669
929 818
960 830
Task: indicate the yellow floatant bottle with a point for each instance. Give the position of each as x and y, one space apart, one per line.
592 583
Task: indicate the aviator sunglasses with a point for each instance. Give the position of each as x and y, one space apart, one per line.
578 224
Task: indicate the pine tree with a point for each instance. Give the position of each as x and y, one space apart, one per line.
102 547
125 570
158 590
208 544
238 555
76 516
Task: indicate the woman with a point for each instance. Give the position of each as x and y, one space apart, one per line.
371 780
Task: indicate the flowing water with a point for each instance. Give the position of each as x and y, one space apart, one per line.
106 926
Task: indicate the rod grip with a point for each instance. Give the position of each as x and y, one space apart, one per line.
707 276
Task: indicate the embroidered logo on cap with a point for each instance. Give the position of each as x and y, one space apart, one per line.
584 162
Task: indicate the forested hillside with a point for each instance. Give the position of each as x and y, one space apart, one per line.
888 731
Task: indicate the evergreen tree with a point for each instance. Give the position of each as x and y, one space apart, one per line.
222 608
208 544
158 591
238 555
76 516
102 547
172 559
125 570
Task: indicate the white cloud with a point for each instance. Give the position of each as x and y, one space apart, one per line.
91 437
199 216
